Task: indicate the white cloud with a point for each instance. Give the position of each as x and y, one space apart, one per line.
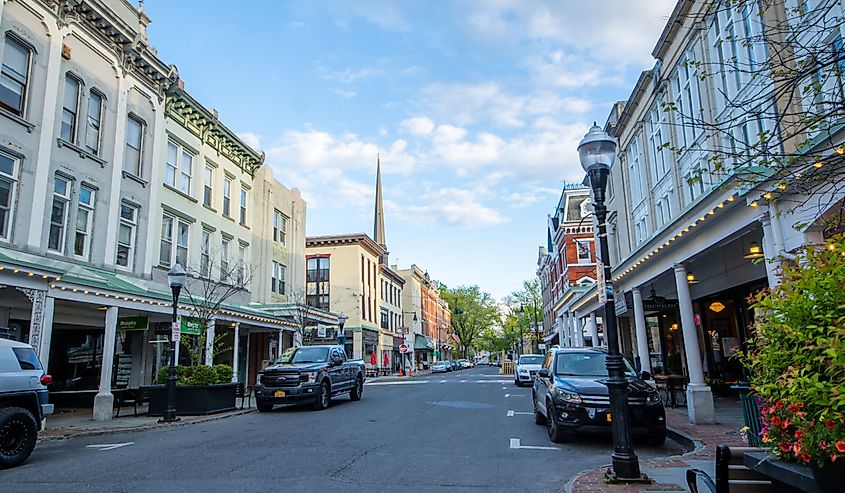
418 125
250 139
454 206
344 94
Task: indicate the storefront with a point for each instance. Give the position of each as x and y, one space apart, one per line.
369 343
423 349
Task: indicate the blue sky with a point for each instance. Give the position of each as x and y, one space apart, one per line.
475 106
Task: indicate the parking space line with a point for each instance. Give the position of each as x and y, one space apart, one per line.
515 444
511 412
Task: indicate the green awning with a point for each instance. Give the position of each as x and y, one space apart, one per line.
423 343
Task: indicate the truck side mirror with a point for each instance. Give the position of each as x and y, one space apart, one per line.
646 375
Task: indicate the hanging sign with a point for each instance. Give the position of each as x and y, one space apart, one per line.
191 326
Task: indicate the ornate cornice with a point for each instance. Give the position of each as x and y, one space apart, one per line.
205 125
128 42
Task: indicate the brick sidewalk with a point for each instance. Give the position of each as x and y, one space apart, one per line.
668 472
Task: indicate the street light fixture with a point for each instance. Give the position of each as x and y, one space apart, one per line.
341 336
176 279
597 151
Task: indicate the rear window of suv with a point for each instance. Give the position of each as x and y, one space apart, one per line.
27 358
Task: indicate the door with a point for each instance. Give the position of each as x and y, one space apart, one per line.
337 373
542 385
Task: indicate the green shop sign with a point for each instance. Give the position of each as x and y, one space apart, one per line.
190 326
133 323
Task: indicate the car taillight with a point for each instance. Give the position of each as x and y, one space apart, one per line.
46 379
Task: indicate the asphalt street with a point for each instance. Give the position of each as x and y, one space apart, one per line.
469 430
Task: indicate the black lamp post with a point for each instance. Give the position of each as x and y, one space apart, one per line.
597 152
519 323
341 336
176 278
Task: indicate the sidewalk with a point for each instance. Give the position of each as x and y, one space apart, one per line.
67 423
669 473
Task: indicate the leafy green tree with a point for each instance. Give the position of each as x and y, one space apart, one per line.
473 312
526 307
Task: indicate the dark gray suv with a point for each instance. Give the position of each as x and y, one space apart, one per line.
23 401
570 396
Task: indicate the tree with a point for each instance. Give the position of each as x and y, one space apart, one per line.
777 71
526 306
472 313
210 285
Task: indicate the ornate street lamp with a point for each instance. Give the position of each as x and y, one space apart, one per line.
341 336
597 152
176 278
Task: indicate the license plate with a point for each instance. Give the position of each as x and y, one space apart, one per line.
609 417
280 393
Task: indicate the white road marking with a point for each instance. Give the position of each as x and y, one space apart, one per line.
400 382
463 381
109 446
515 444
443 381
507 395
504 388
514 395
511 412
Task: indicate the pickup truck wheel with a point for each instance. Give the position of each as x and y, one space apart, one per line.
323 396
264 407
357 390
18 434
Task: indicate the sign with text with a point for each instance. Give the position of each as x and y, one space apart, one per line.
133 323
403 348
175 332
191 326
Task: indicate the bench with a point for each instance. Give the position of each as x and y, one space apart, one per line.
731 474
243 392
131 397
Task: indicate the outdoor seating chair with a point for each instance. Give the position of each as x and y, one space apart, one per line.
732 476
131 397
243 392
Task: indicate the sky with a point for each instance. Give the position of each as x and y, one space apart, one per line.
475 106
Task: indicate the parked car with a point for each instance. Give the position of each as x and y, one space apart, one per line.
440 367
23 401
455 365
309 373
465 363
526 368
570 396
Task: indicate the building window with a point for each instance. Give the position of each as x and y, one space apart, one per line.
206 192
694 180
241 265
635 173
134 144
277 284
384 315
14 76
280 228
58 215
317 282
70 108
8 181
205 253
224 260
227 197
660 163
126 235
95 116
84 222
179 167
243 206
173 228
584 254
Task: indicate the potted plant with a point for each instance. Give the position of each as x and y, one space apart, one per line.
797 362
200 390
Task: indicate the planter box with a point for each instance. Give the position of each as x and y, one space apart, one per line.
194 400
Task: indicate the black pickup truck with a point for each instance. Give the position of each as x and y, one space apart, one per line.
309 373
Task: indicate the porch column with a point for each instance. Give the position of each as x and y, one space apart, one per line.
41 322
104 400
579 332
594 330
699 396
641 330
209 343
573 335
771 250
235 356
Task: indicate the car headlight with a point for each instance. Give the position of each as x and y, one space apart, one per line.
566 396
652 399
308 376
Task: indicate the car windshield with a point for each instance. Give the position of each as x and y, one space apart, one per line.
531 359
585 364
304 355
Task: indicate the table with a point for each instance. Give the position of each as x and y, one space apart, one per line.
785 476
671 384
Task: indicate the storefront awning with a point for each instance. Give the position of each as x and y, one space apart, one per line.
423 343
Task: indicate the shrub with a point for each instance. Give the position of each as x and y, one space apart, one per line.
197 375
797 357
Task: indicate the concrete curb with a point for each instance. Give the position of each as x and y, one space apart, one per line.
690 444
149 426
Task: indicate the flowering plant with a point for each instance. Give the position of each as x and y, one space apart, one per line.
797 357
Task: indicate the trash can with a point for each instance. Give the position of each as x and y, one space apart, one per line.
750 413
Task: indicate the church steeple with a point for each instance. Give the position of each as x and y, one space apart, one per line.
378 226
